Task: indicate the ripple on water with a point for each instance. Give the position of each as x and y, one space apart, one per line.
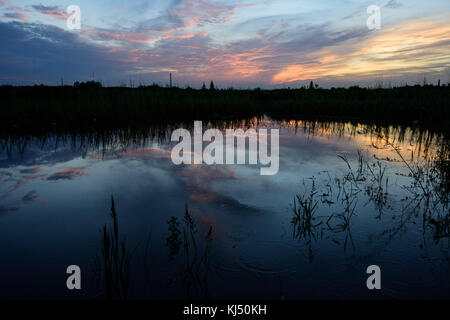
266 258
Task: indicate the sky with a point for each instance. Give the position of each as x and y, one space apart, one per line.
240 44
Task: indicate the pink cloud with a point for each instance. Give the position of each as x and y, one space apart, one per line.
68 174
16 16
54 12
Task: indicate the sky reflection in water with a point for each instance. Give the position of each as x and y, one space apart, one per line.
55 197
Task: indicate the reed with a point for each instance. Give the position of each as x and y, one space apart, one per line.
304 214
194 275
112 265
89 105
341 196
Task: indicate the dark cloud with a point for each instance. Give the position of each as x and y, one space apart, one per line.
30 196
52 11
31 170
67 174
42 53
312 38
393 4
177 40
15 16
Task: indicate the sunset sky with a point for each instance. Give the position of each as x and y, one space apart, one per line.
250 43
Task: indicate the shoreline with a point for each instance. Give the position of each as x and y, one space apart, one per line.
66 108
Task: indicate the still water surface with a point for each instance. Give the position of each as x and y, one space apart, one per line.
55 196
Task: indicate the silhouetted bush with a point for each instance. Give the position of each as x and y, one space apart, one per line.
88 104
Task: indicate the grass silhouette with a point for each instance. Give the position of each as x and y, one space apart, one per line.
112 266
89 105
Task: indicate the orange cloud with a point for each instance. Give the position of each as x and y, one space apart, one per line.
68 174
243 65
54 12
20 183
299 72
202 197
31 170
414 46
207 219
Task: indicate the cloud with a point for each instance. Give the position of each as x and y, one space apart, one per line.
141 152
16 16
33 52
202 197
410 47
195 40
9 5
200 181
182 20
31 170
207 219
201 12
20 183
68 174
15 12
52 11
139 37
393 4
30 196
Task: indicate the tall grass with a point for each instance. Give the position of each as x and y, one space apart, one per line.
112 265
304 214
323 211
194 275
86 106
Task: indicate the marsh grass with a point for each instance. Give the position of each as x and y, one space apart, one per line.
429 187
358 175
304 217
377 190
103 141
112 267
338 199
429 191
174 242
42 108
113 263
440 226
196 266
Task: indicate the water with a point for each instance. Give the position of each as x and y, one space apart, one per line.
55 196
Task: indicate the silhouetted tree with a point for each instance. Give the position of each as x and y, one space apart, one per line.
211 86
311 85
88 85
204 86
